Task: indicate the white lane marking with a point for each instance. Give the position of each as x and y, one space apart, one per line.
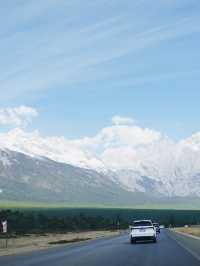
186 248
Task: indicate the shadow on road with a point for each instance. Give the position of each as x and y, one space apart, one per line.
140 243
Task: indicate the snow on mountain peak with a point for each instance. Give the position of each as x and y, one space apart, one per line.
143 152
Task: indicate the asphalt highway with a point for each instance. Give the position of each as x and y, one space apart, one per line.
116 251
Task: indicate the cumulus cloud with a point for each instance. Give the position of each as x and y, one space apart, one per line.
113 146
19 116
143 150
173 165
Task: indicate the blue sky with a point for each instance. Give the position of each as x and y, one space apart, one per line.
79 63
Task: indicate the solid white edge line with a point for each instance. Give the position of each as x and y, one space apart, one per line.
186 248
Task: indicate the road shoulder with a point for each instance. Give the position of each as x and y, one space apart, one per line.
32 243
188 242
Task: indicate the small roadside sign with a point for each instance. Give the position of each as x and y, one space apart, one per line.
4 230
4 227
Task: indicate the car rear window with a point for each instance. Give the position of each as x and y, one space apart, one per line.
142 223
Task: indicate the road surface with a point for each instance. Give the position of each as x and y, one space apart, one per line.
116 251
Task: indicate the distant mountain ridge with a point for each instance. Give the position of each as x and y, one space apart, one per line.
31 178
23 177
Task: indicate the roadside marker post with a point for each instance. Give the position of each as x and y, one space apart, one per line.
4 229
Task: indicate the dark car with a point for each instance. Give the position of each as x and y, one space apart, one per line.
157 227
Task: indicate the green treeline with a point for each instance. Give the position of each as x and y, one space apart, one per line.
64 220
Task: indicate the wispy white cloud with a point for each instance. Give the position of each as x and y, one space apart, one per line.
66 50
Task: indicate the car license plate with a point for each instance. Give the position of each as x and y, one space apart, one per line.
142 230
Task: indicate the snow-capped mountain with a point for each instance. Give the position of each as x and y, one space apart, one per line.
179 185
26 178
55 148
144 162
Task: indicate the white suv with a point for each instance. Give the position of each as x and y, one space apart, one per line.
142 230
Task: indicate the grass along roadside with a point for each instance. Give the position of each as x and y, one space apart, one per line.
23 244
193 231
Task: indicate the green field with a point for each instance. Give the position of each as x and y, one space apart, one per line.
39 205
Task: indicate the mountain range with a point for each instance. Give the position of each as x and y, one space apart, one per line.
31 178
